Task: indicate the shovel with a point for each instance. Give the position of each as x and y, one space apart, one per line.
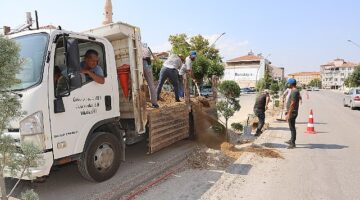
281 114
247 128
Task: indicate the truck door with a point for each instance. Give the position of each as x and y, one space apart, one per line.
77 107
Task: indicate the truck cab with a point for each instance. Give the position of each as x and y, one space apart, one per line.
72 117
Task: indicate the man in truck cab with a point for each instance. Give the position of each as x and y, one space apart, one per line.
90 67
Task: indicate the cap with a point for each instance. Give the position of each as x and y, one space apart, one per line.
291 81
193 54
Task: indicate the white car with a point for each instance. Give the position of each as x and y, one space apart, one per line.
352 98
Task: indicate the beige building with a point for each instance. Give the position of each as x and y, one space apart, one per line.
333 74
246 70
304 78
277 72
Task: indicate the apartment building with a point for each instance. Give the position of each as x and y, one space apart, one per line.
334 73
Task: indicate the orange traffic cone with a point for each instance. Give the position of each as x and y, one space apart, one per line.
123 75
310 126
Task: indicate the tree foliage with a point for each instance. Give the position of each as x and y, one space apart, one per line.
315 83
13 160
156 67
354 79
10 65
208 61
230 89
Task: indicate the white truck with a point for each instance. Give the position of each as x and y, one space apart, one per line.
88 122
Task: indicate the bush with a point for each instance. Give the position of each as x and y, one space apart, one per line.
230 89
237 126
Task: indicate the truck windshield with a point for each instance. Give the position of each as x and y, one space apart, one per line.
32 51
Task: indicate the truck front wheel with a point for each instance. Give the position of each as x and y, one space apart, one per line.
101 158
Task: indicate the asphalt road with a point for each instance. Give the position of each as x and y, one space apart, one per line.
324 165
66 182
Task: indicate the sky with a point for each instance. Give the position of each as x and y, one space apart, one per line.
297 35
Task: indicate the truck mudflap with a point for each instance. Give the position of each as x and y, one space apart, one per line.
167 125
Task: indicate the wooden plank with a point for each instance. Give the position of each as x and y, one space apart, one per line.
168 131
167 125
165 144
170 136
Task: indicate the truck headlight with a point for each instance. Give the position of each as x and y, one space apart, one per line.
32 130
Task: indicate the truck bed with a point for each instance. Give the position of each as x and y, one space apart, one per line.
167 125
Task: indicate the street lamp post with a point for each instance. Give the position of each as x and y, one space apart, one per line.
217 39
257 72
354 43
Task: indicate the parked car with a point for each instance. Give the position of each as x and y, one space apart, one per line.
206 91
247 90
352 98
315 89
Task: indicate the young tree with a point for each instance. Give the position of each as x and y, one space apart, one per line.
274 91
227 107
11 162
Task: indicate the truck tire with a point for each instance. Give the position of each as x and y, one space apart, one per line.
352 106
101 158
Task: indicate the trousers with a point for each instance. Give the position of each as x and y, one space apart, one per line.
172 75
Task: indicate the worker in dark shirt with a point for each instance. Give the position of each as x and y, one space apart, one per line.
292 108
261 105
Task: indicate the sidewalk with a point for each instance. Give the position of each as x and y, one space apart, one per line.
252 169
225 184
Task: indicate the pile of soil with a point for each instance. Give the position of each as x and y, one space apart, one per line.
230 150
263 152
206 158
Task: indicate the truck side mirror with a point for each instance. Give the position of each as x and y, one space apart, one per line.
75 80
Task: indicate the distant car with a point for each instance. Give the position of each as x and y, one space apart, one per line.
247 90
308 89
315 89
352 98
206 91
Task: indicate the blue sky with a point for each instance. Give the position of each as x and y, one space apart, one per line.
298 35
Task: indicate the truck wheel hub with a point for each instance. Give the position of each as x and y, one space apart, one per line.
104 157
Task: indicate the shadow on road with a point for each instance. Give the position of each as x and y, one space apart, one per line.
321 146
320 123
279 128
241 169
306 146
274 145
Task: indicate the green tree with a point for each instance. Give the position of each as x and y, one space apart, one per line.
10 108
156 67
200 68
208 61
179 44
354 79
228 107
315 83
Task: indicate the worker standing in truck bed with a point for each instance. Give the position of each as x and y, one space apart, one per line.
149 75
170 70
